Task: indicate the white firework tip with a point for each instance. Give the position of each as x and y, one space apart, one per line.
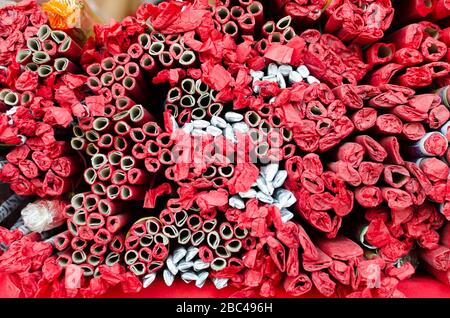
171 265
286 215
264 198
236 202
192 252
269 171
279 178
295 77
256 74
241 127
184 266
285 198
249 194
262 185
270 78
285 70
311 79
201 124
229 134
214 131
168 277
148 280
281 80
220 282
202 277
187 128
189 277
272 69
200 265
218 122
178 254
198 132
233 117
303 71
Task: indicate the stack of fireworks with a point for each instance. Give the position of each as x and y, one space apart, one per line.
269 166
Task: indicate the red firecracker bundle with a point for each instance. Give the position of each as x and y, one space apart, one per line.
277 148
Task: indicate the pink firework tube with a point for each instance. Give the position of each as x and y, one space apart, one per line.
147 63
50 47
78 244
364 119
137 135
222 14
431 144
352 153
441 10
70 49
380 53
107 207
122 58
107 79
98 249
434 169
368 196
119 177
119 73
384 74
132 193
407 56
392 147
132 242
105 172
64 258
120 144
115 223
152 165
167 217
121 128
86 233
173 38
256 9
69 211
145 255
106 141
415 9
388 124
132 88
103 236
62 65
62 240
112 192
413 131
262 46
144 41
438 69
108 64
106 93
132 69
128 162
247 24
373 149
138 176
94 83
135 51
409 36
268 28
98 188
166 59
91 202
151 129
117 244
396 176
94 70
176 51
54 185
231 29
66 166
124 103
276 37
433 50
236 13
117 91
95 221
139 151
140 116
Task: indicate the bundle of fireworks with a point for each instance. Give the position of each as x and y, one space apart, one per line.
275 147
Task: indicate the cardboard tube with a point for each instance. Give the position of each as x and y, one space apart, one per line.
41 57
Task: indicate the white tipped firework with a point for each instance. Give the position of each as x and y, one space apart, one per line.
279 178
218 122
192 252
281 80
200 124
285 198
148 280
220 282
236 202
171 265
286 215
272 69
295 77
198 132
303 71
311 79
261 196
229 134
168 277
200 265
179 254
285 70
269 171
249 194
270 78
241 127
202 277
189 277
188 127
184 266
258 75
214 131
233 117
263 185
